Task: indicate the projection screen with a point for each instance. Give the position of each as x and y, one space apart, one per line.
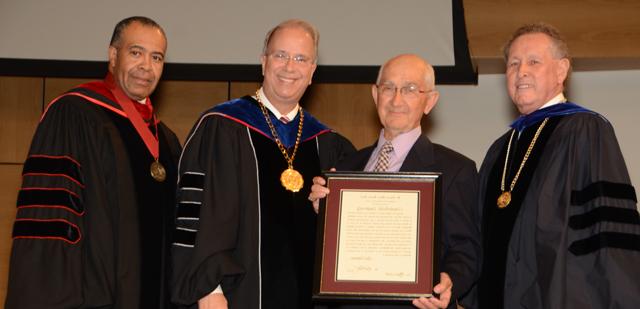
222 39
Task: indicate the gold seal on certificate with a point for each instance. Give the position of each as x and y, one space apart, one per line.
291 180
158 172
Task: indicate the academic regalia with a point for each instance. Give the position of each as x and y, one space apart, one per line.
235 224
570 237
92 227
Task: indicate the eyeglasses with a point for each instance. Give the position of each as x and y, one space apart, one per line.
408 91
282 57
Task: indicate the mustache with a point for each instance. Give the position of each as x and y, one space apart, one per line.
143 76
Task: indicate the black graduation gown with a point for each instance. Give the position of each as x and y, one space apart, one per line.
571 235
92 225
235 224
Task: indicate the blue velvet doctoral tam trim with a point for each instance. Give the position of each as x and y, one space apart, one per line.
247 110
560 109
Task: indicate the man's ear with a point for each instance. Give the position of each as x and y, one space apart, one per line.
563 69
313 70
374 94
263 60
432 99
113 56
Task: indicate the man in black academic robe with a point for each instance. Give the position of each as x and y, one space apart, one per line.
560 223
404 94
242 238
92 227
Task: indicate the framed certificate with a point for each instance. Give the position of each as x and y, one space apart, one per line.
377 237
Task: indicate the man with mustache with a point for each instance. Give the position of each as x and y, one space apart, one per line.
560 223
403 94
96 203
245 233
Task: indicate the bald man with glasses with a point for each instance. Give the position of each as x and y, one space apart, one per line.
403 94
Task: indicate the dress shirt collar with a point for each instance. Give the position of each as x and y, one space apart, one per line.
265 101
401 146
555 100
550 109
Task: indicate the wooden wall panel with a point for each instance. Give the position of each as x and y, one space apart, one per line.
9 184
593 28
53 87
179 103
20 108
346 108
240 89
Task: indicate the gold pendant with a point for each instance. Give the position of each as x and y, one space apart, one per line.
504 199
291 180
158 172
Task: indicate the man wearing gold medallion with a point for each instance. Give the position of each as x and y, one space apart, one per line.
560 223
96 203
245 234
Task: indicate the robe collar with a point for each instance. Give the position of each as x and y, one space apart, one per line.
560 109
101 91
247 112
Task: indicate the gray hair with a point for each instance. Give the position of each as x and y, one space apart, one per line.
294 23
559 45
